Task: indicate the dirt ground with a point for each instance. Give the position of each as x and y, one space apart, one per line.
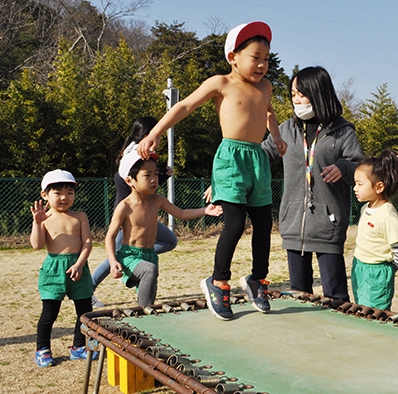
180 273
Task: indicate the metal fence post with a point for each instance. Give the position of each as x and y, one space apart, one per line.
172 97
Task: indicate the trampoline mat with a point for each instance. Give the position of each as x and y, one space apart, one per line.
297 348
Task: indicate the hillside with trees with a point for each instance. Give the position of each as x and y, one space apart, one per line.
74 78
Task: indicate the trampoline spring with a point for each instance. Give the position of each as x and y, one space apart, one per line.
200 303
354 309
195 373
143 343
117 313
366 311
314 298
393 318
378 314
175 360
149 311
186 307
344 307
189 370
168 308
128 312
229 388
164 352
208 380
126 332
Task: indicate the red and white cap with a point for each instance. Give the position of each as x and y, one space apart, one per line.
57 176
129 158
243 32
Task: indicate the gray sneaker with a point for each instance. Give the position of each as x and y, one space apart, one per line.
96 303
257 290
218 300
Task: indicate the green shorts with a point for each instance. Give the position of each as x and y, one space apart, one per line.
129 257
373 284
55 283
241 174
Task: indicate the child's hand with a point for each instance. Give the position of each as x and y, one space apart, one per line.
39 213
281 145
213 210
116 270
147 145
207 194
75 272
169 171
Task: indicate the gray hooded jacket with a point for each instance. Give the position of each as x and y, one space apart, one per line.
323 227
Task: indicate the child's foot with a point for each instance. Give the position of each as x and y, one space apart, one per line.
96 303
217 299
77 353
44 358
257 290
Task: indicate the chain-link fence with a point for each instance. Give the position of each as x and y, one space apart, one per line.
95 197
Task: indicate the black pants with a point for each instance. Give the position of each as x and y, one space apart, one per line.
50 313
234 225
332 270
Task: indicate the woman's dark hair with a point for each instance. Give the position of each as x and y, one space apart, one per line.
315 83
141 128
383 168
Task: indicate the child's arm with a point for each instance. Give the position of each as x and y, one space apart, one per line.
179 111
38 233
110 244
76 270
272 125
186 214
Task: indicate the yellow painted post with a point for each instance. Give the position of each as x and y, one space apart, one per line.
113 367
127 377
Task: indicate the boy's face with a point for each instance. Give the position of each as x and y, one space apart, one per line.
60 200
147 178
251 63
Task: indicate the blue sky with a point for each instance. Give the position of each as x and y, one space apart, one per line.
350 38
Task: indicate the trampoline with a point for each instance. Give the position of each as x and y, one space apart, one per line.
303 346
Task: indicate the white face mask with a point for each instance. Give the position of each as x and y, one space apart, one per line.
304 111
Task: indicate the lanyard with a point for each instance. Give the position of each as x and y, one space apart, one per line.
309 160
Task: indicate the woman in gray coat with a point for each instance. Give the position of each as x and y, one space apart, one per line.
319 167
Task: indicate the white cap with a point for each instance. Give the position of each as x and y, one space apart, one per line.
129 158
243 32
57 176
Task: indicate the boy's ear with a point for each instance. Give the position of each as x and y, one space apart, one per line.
130 181
231 58
43 195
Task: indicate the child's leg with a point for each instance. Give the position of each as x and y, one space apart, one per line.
147 275
44 327
261 219
165 239
234 224
81 306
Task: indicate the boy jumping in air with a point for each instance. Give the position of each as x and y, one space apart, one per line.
241 176
67 237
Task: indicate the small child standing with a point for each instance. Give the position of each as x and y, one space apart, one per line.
241 175
136 262
67 237
376 253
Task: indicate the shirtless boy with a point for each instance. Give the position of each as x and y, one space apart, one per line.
67 237
241 176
